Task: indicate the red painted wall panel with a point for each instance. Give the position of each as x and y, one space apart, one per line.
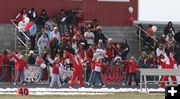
108 13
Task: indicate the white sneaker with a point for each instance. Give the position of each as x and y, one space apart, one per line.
59 85
104 86
15 84
70 87
82 87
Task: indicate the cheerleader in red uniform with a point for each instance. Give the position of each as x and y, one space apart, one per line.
78 69
167 64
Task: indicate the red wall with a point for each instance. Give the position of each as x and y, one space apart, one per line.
108 13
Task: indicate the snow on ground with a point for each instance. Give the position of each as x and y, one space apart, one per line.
79 91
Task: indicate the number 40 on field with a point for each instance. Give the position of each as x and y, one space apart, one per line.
22 92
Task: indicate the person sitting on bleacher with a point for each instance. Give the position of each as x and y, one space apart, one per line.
142 60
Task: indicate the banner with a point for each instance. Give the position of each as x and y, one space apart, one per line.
33 74
113 74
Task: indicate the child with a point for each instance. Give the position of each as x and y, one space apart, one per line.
39 60
97 71
55 72
132 68
20 65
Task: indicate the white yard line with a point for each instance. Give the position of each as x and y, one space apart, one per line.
83 90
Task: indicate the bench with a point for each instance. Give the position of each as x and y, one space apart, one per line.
156 72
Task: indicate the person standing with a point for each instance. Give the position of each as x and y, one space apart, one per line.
97 71
32 30
43 43
166 64
20 65
55 71
78 69
133 66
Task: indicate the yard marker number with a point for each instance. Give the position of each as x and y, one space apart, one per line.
23 92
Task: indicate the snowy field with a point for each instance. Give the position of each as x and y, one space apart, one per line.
80 91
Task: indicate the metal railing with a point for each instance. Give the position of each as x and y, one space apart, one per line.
17 30
146 33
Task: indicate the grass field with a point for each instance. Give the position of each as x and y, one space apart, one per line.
107 96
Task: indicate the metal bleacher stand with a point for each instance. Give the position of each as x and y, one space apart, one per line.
156 72
16 31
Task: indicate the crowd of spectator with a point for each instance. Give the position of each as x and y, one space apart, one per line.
69 41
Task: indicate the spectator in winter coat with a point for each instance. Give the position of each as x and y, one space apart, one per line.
126 49
31 58
6 63
42 43
110 54
133 66
142 60
21 15
43 17
32 14
151 60
33 32
89 36
39 60
169 29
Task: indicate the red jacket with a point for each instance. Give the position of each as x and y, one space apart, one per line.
28 26
76 63
99 66
20 63
39 61
1 60
109 53
6 59
132 66
55 68
172 62
163 63
82 53
90 53
92 65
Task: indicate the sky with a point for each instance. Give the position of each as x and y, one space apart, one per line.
159 10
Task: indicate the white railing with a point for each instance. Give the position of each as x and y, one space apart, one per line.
139 36
18 38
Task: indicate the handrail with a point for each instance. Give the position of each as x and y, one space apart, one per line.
12 21
146 32
144 40
22 42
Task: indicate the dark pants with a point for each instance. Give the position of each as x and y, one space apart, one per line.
19 74
88 72
33 37
3 76
130 78
97 75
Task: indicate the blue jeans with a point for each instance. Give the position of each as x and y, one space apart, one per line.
19 73
91 77
3 76
97 76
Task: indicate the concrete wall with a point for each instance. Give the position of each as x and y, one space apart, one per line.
120 33
7 37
